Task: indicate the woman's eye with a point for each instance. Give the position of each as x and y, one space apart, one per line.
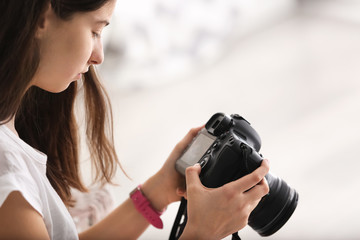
96 35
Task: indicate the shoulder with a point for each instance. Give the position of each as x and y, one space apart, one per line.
11 159
15 175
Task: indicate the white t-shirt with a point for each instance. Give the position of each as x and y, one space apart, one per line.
23 169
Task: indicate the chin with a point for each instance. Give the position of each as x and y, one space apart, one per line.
55 89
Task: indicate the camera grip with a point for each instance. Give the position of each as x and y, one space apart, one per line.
252 158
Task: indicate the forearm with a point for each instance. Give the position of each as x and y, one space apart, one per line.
125 222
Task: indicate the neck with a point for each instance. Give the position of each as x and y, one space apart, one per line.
11 125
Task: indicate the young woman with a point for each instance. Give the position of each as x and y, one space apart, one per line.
48 50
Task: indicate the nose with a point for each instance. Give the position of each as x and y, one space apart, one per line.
97 55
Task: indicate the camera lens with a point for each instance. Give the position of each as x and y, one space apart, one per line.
274 209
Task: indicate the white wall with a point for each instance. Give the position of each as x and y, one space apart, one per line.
162 41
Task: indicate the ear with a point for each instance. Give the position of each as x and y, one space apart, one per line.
44 22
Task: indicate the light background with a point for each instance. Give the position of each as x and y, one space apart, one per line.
290 67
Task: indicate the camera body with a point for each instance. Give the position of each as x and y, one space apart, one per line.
218 148
228 149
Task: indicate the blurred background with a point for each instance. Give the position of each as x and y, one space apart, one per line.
290 67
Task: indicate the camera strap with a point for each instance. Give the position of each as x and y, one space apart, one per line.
235 236
181 220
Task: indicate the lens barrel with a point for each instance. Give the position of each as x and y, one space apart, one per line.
274 210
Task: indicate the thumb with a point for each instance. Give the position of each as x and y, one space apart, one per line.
192 175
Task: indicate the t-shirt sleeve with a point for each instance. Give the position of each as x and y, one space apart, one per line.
14 176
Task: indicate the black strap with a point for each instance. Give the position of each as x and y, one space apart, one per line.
180 221
235 236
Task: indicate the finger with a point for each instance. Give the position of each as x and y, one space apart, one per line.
188 138
192 176
250 180
259 190
181 193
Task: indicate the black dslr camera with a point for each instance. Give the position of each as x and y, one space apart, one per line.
228 149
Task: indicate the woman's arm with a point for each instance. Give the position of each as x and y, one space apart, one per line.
125 222
212 213
19 220
165 187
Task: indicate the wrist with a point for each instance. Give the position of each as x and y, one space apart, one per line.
190 234
155 192
144 207
196 231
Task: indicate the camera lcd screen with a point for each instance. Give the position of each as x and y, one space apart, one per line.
197 149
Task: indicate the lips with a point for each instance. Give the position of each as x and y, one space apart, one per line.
78 76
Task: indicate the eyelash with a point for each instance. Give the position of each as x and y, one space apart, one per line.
96 35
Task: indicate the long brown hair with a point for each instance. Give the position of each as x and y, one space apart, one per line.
45 120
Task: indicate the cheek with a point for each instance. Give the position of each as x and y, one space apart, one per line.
64 53
80 49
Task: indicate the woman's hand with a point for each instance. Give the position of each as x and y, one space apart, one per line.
219 212
167 185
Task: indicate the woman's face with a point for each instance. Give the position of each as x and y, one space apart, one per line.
68 48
